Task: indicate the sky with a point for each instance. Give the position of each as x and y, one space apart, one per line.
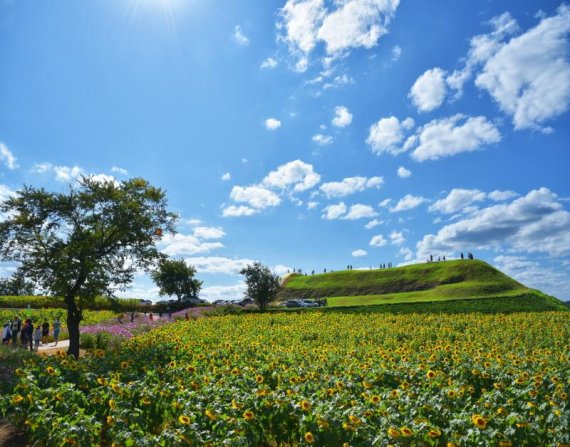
305 134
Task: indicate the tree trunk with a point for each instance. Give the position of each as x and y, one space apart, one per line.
74 317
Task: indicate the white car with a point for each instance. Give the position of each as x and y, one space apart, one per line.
309 303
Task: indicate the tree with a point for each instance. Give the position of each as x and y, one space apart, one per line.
175 277
262 285
16 285
89 241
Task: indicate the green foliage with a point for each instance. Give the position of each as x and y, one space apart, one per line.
16 285
86 242
262 284
175 277
229 309
10 360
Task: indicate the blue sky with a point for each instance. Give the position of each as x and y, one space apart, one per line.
305 134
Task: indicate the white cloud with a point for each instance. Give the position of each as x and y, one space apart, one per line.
338 81
356 23
312 205
378 241
458 199
272 124
120 171
428 92
450 136
255 196
238 211
529 77
342 117
62 173
360 211
268 63
403 172
406 253
359 253
103 178
397 238
231 293
322 139
373 223
296 174
226 176
350 185
7 157
186 244
532 274
396 53
385 203
240 37
351 24
332 212
499 196
6 192
244 160
386 135
218 264
536 222
408 202
209 232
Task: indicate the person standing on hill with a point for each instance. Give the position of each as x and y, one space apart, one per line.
15 327
56 329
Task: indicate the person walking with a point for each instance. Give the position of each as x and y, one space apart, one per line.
56 329
6 333
29 329
37 338
15 327
45 332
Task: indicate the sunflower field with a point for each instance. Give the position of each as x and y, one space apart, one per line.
323 379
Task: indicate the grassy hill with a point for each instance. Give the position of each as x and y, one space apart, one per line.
430 282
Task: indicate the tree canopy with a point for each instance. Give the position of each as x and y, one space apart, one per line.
85 242
175 277
262 284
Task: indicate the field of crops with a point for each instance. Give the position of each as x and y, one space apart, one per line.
327 379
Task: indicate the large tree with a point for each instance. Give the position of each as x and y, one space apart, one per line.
85 242
16 285
175 277
262 284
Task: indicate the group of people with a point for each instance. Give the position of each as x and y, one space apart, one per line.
29 334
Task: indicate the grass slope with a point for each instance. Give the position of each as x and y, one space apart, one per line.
433 282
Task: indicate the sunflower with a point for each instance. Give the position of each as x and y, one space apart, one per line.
375 399
248 415
124 365
112 404
393 432
479 421
211 415
406 431
259 378
145 400
309 438
505 444
430 374
50 371
305 405
355 420
184 420
434 433
17 399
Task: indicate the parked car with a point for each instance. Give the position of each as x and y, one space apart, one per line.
244 302
309 303
294 303
193 300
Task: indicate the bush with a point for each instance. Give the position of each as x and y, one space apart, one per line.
219 311
87 341
10 360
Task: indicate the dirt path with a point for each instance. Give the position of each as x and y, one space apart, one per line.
10 437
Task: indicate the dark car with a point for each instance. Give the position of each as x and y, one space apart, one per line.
245 302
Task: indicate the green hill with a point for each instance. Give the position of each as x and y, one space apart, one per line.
430 282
